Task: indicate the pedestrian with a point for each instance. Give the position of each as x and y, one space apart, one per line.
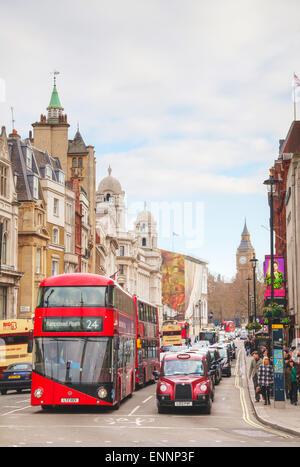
265 379
247 346
292 378
253 373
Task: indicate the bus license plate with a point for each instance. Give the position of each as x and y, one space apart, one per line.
183 404
14 377
69 401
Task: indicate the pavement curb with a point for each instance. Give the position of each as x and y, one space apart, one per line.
262 420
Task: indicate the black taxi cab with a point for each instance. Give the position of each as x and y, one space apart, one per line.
184 381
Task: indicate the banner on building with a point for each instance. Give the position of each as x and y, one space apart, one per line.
279 277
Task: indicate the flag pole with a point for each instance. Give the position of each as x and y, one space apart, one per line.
294 99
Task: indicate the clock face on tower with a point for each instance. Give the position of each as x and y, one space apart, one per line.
243 260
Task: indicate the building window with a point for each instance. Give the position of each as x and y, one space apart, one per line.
3 303
56 207
48 172
4 249
55 236
68 243
38 261
74 162
39 219
122 251
54 270
29 158
80 162
35 193
144 242
121 269
3 180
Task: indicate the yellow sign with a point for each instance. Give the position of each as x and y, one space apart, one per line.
277 326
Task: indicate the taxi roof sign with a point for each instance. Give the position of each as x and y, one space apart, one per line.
183 355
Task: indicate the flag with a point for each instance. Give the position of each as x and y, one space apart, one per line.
296 80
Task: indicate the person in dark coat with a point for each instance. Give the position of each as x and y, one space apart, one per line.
265 379
292 378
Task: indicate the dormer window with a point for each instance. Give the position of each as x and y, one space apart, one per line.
28 158
35 188
48 171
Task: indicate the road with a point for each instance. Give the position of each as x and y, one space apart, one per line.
138 424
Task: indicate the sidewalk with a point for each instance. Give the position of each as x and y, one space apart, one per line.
286 417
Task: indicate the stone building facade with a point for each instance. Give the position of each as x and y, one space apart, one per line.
9 211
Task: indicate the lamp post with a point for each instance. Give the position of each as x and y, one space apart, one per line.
248 280
253 262
277 331
270 182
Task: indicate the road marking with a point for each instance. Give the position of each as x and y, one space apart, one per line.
16 410
134 410
146 400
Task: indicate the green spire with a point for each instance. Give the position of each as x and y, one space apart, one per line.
54 101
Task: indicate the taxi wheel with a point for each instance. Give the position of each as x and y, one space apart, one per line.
161 409
207 409
3 392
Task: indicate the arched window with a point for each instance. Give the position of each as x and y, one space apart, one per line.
4 248
80 162
55 236
144 242
107 197
74 162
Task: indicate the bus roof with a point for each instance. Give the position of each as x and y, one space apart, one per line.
80 279
76 279
15 326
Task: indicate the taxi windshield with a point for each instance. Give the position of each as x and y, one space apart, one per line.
183 367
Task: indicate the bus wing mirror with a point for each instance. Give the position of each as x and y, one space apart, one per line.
30 342
156 374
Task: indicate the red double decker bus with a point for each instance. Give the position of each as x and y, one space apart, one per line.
228 326
147 342
84 342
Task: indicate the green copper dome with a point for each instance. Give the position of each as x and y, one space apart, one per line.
55 102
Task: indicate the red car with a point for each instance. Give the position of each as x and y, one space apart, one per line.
184 381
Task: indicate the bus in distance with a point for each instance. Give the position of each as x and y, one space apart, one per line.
147 351
15 340
171 333
84 342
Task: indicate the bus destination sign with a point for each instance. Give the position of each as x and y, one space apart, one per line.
73 324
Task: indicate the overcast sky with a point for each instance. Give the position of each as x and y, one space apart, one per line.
186 100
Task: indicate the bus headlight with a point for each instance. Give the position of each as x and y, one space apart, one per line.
38 393
102 393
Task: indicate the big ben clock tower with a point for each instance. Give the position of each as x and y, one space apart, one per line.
244 253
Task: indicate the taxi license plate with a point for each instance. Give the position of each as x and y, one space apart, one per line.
183 404
14 377
69 401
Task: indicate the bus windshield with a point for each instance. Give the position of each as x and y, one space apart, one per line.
74 360
71 296
183 367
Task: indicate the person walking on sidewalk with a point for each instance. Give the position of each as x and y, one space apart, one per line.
265 379
292 378
253 373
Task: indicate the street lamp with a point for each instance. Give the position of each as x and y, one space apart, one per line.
248 279
270 183
253 261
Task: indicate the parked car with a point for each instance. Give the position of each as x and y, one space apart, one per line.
216 364
223 350
17 376
184 381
